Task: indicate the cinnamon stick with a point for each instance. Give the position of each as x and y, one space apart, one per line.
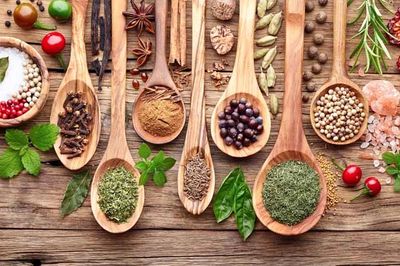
178 32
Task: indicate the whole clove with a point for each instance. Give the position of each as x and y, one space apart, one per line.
75 123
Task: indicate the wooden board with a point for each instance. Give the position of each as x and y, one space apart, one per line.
32 232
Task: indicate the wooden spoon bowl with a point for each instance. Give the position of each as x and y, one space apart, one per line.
100 217
243 83
160 77
77 79
38 60
339 76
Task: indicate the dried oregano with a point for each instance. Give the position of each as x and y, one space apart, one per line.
291 192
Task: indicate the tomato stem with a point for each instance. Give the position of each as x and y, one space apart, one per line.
364 191
341 168
61 60
43 26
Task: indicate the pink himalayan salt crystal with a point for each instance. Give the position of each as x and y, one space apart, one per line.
382 97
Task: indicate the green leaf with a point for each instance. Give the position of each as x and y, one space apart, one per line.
390 170
144 177
44 136
16 139
159 178
3 67
167 164
396 186
141 166
224 201
10 164
244 212
389 158
158 159
23 150
76 193
31 162
144 151
397 160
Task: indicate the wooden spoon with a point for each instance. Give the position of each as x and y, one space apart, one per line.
291 143
117 153
243 84
160 77
339 77
77 79
196 141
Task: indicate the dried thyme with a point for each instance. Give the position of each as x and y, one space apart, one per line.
197 178
291 192
118 194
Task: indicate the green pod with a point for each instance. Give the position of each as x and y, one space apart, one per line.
275 24
271 4
262 8
264 21
266 40
269 58
271 77
260 53
273 104
262 82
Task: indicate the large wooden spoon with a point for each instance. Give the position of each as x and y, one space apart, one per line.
243 84
339 76
196 141
117 153
291 143
160 77
77 79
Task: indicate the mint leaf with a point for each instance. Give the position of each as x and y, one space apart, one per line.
144 151
3 67
76 193
389 158
31 162
159 158
159 178
16 139
23 150
392 170
141 166
10 164
44 136
167 164
144 177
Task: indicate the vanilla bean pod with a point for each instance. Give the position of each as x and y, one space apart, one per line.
95 27
107 41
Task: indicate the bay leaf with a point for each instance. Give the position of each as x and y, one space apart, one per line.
76 193
3 67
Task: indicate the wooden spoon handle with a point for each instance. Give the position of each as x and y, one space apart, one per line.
339 38
78 53
118 74
291 124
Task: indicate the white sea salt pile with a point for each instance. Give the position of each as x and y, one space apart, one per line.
14 77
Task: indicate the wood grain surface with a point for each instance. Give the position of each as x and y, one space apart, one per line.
33 233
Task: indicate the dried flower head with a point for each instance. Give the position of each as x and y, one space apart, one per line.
141 17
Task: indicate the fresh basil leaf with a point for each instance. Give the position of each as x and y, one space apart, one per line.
159 178
16 139
76 193
3 67
144 151
144 177
396 185
392 170
244 212
224 201
10 164
31 162
158 159
389 158
167 164
141 166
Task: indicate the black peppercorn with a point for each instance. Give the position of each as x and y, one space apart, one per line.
318 39
321 17
309 6
312 52
322 58
41 8
309 27
316 68
322 2
8 24
18 2
307 75
9 12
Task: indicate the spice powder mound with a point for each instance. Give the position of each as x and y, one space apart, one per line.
161 114
197 178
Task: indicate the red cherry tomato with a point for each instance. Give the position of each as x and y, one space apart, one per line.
53 43
372 187
352 175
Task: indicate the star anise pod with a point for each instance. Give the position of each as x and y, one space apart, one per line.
142 52
141 17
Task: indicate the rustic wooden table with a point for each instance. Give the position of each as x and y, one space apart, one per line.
32 231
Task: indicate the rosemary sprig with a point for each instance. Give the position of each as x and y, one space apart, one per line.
371 34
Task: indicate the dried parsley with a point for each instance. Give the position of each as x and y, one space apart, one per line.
291 192
118 194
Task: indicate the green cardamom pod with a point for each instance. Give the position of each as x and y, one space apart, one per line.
266 41
275 24
271 77
273 104
264 21
262 82
269 58
262 8
260 53
271 4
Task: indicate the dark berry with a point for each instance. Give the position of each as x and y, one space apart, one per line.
221 115
238 145
228 110
243 101
244 119
246 142
253 124
249 105
234 103
223 132
232 132
248 133
260 129
240 137
222 124
256 111
240 127
228 141
241 108
259 120
231 123
235 116
249 112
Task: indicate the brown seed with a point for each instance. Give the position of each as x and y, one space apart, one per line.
318 38
135 84
309 27
321 17
309 6
135 71
307 75
312 52
305 98
310 87
144 76
322 58
8 24
322 2
316 68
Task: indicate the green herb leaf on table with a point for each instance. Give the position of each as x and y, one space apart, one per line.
10 164
244 212
144 151
393 168
389 158
3 67
76 193
31 162
16 139
44 136
159 178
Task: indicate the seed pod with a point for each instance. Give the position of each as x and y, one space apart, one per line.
260 53
266 40
271 77
262 82
271 4
275 24
273 104
269 58
264 21
262 8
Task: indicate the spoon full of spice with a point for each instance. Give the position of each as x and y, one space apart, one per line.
159 112
117 154
354 124
291 144
241 122
80 122
196 177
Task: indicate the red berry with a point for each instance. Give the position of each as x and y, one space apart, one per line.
352 175
24 110
9 102
4 116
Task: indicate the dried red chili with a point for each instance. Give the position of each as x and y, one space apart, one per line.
394 29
